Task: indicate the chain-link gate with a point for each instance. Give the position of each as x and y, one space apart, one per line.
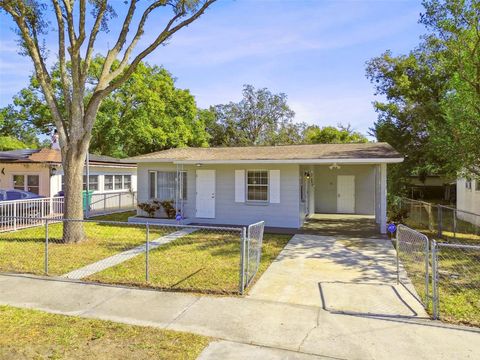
413 256
252 251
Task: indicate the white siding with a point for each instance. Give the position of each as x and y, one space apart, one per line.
468 200
326 188
227 210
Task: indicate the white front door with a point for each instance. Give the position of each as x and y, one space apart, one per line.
205 199
345 194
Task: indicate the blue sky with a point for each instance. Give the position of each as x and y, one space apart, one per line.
314 51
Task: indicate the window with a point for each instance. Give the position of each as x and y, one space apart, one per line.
152 184
118 182
257 185
162 185
92 182
29 183
19 182
468 184
108 182
477 185
127 182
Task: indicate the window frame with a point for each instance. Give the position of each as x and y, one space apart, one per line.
468 184
154 183
26 186
90 182
182 188
267 186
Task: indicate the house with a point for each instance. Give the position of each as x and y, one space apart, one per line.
468 200
40 171
432 187
282 185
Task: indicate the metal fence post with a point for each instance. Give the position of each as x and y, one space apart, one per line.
147 250
242 261
439 221
46 248
455 224
435 279
397 257
427 275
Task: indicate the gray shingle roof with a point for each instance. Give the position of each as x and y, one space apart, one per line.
287 152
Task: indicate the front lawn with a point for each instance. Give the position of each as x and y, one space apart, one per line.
200 262
24 250
204 261
31 334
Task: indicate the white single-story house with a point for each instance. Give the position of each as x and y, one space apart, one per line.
40 171
282 185
468 199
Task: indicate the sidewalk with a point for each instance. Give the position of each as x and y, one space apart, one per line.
272 326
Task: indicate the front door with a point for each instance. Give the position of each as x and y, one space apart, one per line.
345 194
205 198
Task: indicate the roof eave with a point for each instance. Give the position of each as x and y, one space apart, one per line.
276 161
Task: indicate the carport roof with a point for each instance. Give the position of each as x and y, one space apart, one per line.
317 153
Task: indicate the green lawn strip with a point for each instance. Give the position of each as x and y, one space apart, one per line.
31 334
206 262
23 250
122 216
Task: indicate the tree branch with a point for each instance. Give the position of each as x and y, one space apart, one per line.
31 44
92 38
61 56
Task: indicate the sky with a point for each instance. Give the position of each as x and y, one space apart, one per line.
312 50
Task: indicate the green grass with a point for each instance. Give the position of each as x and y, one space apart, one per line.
30 334
200 262
24 250
204 261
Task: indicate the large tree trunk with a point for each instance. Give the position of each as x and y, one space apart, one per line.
73 164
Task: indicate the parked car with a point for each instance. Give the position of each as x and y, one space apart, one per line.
6 195
24 209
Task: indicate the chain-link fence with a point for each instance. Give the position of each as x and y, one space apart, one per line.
171 257
440 221
456 282
253 251
413 261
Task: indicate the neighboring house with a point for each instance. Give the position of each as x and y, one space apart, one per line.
281 185
432 188
468 199
40 171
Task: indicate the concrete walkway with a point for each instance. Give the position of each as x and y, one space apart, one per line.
276 329
124 256
355 276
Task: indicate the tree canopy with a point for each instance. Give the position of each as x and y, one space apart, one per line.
260 118
147 113
431 111
315 134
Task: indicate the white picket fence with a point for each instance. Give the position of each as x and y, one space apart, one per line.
19 214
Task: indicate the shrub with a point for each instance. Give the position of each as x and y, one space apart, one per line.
169 209
150 207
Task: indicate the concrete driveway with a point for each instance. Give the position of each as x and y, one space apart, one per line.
341 275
